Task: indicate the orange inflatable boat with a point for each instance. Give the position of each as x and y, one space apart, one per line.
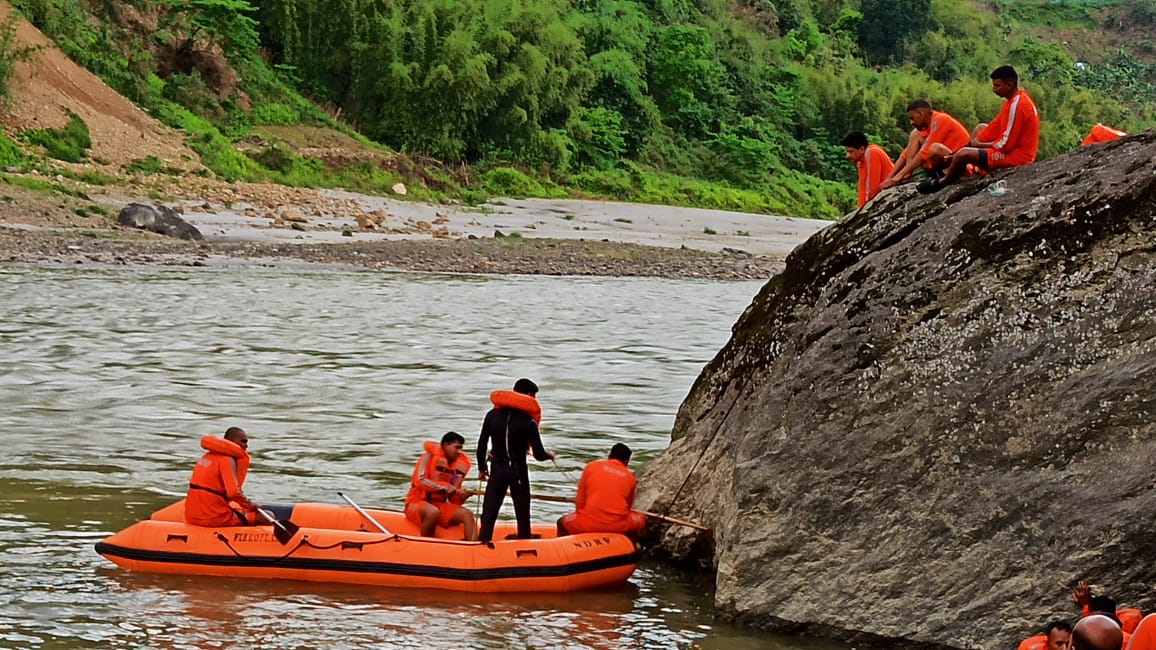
331 543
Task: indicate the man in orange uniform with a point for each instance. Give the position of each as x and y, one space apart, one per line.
435 495
215 497
1009 141
605 497
935 136
1101 133
1144 636
1057 636
873 164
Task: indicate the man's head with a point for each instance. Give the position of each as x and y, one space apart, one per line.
452 444
621 453
1005 81
1103 605
1059 635
919 112
526 387
1097 632
237 435
855 143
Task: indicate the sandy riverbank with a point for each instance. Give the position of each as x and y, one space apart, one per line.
262 224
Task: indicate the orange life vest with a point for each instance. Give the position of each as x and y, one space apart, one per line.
434 473
216 481
1037 642
1130 617
524 403
514 399
1101 133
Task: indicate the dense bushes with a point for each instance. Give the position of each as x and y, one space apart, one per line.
709 102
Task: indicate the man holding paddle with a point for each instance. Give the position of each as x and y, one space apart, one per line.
215 487
605 498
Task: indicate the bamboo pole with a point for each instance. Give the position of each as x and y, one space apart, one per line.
652 515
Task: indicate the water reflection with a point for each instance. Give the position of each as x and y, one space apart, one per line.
110 376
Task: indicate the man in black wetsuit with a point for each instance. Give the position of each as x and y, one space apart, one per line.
510 428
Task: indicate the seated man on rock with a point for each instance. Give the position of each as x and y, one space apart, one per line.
935 135
1011 140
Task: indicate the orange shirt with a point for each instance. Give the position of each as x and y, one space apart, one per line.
1144 638
605 492
946 130
1101 133
874 168
1015 132
217 480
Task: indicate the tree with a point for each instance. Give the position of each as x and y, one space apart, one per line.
888 25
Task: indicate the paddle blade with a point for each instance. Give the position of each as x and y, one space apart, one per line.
284 531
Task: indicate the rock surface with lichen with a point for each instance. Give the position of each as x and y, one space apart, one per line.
939 416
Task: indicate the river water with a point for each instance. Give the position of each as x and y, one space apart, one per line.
110 376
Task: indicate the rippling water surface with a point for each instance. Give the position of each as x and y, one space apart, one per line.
109 377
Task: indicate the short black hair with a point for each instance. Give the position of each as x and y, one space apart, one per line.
918 104
855 139
1057 625
526 387
1007 73
620 452
452 437
233 432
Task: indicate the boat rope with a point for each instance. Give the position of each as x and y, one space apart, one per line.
325 547
681 487
568 475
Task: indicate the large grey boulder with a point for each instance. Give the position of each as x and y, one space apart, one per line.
157 218
939 416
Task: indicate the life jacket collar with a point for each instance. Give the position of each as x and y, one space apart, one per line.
217 445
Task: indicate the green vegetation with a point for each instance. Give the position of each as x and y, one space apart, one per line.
150 165
10 153
68 143
10 54
713 103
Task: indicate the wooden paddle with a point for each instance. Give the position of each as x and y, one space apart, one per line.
283 531
652 515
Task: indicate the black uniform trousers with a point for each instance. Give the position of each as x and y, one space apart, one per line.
505 475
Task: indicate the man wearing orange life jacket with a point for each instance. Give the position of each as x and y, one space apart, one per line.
872 163
1101 133
435 495
935 136
605 498
1057 636
1010 140
1104 605
215 497
509 430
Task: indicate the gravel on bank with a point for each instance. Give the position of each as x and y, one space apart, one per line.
512 255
